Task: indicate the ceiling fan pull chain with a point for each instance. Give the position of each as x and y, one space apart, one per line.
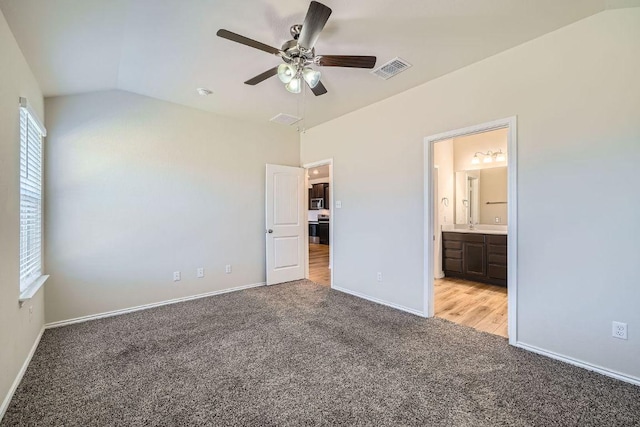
304 109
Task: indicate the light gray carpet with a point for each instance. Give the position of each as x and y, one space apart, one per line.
300 354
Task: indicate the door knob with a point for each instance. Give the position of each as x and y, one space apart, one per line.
269 231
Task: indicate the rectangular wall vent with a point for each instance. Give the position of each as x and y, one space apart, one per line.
391 68
285 119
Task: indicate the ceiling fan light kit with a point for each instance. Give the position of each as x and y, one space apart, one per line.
298 54
285 73
312 77
294 86
292 77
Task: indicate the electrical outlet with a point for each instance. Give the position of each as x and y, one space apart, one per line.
227 269
30 313
200 272
619 330
176 276
338 204
379 276
498 220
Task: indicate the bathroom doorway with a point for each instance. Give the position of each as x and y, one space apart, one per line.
319 180
471 227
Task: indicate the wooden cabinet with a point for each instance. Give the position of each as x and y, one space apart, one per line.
326 197
319 191
323 233
474 260
474 256
497 259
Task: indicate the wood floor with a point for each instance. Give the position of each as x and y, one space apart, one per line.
480 306
319 271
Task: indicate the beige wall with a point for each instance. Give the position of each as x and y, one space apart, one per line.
138 188
576 94
18 330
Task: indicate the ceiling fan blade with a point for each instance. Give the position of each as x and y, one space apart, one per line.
262 77
353 61
314 22
225 34
319 89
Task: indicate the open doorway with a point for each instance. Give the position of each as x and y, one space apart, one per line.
319 188
471 221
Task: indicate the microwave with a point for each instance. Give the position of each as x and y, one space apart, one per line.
317 204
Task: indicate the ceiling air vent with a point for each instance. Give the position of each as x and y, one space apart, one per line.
285 119
391 68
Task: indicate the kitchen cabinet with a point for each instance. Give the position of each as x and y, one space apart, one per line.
326 197
319 191
323 233
475 256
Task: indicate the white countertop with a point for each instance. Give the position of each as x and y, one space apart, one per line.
478 229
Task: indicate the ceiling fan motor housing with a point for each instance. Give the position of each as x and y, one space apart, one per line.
292 51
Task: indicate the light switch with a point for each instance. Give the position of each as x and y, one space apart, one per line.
338 204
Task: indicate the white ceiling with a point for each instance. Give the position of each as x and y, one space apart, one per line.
167 48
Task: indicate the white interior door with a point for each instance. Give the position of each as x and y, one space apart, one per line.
285 224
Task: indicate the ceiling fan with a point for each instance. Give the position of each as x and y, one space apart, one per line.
298 54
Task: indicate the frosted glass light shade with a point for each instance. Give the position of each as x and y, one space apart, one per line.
475 160
500 157
312 77
286 72
294 86
487 159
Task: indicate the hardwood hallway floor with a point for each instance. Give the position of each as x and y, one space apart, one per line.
481 306
319 271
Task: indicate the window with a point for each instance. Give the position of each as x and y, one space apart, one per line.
31 133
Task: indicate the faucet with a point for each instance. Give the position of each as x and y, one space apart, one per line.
470 224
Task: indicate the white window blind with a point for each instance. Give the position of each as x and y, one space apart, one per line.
31 133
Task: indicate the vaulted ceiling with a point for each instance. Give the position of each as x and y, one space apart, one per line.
167 48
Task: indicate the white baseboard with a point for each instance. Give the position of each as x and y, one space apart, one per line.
16 382
379 301
147 306
579 363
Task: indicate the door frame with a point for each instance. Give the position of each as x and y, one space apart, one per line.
436 215
509 123
325 162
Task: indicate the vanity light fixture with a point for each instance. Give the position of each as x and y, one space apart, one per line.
488 157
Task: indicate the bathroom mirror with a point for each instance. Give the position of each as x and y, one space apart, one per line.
481 196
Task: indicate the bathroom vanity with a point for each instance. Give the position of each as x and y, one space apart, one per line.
475 255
